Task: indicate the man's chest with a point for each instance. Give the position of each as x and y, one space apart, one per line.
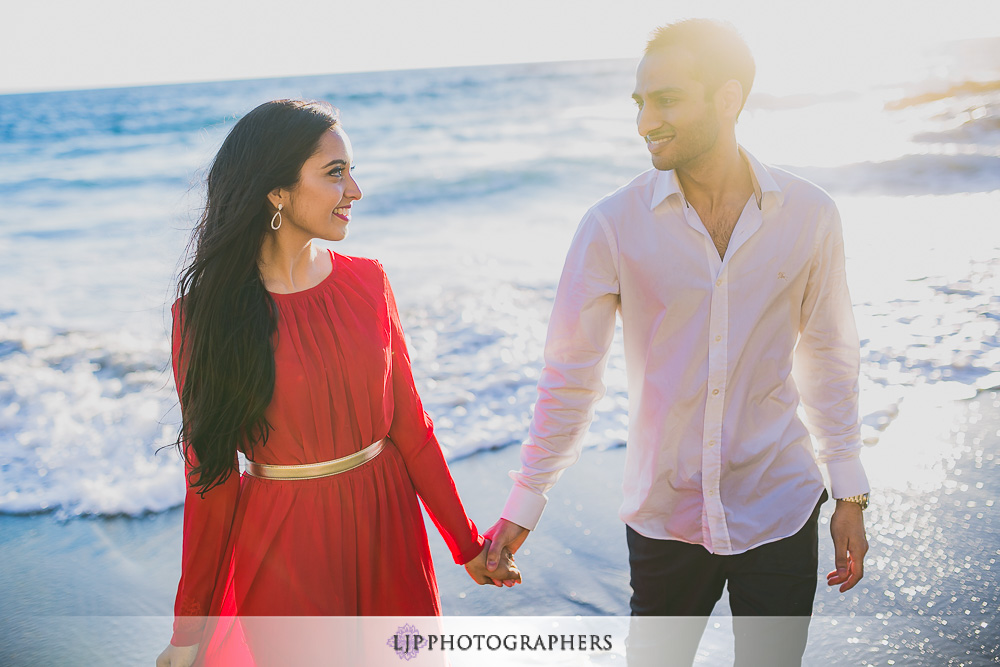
673 264
719 225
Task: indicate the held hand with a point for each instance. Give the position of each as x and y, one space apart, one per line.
505 575
504 535
177 656
847 527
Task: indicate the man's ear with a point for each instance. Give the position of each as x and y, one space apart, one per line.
729 99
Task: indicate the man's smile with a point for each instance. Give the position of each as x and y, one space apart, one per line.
656 141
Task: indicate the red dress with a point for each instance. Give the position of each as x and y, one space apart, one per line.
352 544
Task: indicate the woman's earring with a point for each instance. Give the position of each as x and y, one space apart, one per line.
276 216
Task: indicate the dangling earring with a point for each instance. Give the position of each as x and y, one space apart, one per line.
276 216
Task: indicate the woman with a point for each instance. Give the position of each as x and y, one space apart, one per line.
295 356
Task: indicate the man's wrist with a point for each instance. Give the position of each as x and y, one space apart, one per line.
861 500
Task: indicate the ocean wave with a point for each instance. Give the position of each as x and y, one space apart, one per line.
917 174
101 148
67 186
35 126
949 341
984 131
61 116
476 358
84 413
82 418
398 196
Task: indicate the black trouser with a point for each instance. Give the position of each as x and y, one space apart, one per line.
771 591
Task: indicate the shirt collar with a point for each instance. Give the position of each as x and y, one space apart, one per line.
667 183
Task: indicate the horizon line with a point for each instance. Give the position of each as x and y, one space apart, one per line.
156 84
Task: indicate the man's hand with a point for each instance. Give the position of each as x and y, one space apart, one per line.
177 656
504 535
506 574
847 527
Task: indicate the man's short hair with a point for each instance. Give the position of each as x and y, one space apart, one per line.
719 52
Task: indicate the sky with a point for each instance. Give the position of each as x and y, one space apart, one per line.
65 44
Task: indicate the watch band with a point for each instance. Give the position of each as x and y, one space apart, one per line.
861 499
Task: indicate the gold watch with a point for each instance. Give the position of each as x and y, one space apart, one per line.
861 499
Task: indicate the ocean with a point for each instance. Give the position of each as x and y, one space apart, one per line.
475 179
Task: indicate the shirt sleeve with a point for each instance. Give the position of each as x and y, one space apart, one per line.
827 363
207 524
412 431
577 345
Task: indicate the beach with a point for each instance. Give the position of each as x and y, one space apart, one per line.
475 179
97 590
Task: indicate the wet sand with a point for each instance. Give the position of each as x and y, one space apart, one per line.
100 591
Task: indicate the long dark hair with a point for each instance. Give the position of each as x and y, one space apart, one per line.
227 317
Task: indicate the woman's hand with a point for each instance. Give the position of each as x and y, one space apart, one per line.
177 656
506 573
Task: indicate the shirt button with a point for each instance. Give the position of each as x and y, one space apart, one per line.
715 392
718 338
718 283
711 492
711 443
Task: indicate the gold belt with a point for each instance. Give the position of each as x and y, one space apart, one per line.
314 470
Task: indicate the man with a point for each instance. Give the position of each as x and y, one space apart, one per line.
729 279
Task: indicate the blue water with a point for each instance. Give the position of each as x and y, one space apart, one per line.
474 181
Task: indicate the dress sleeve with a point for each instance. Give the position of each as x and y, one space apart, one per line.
412 432
207 523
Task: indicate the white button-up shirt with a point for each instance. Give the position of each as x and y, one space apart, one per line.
718 352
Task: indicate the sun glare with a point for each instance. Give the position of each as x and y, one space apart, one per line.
800 46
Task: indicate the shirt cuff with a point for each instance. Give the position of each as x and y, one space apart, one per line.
847 478
524 506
